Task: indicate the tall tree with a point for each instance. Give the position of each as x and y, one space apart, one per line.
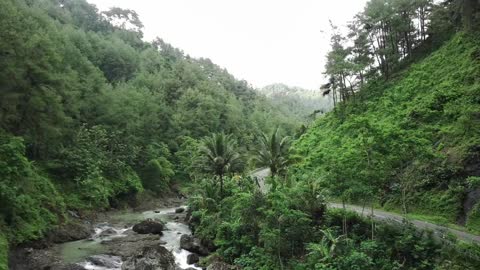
218 156
338 67
360 50
273 152
470 9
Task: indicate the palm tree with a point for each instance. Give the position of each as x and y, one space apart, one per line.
273 152
218 156
327 248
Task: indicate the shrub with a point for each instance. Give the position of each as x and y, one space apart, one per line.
3 252
29 202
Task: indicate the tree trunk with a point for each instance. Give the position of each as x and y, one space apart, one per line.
469 7
404 201
373 223
221 186
278 247
344 225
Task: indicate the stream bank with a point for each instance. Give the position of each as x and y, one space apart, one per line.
111 243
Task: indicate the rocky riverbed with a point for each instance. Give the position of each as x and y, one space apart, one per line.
119 240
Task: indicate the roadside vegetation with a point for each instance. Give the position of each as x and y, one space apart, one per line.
403 135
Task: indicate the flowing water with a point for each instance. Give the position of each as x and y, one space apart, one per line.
120 225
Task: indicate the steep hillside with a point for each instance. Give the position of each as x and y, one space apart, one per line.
411 143
303 103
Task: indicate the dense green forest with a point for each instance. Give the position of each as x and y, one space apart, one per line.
404 135
92 116
302 103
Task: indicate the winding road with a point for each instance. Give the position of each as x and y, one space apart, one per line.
439 231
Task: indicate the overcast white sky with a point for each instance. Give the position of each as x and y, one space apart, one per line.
261 41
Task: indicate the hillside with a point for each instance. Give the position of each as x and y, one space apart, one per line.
411 143
118 153
91 116
303 103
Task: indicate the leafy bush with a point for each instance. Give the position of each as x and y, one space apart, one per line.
473 218
29 202
157 172
280 230
99 165
279 223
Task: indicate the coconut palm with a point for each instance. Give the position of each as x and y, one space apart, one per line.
218 156
273 152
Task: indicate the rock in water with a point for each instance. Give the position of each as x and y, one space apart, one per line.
149 226
192 244
151 258
180 210
70 232
192 258
106 261
108 232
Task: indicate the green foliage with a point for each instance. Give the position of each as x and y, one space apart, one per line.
97 112
247 223
157 174
410 139
473 218
29 202
3 252
218 156
295 102
99 166
473 182
156 169
273 153
186 158
101 113
289 229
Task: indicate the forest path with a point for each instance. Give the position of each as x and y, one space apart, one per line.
440 231
261 174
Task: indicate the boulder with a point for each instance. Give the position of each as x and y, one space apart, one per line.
149 226
108 232
179 210
130 244
151 258
192 258
70 232
192 244
106 261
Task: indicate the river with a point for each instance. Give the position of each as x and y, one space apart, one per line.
89 252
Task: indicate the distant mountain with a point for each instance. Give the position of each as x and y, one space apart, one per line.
301 102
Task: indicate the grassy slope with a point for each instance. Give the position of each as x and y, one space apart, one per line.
435 102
